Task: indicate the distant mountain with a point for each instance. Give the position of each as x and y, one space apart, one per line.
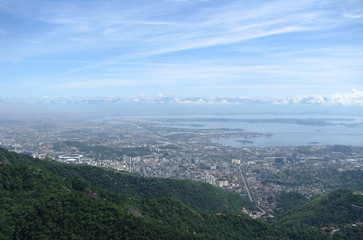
289 200
334 208
37 204
352 179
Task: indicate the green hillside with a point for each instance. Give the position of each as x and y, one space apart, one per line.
200 196
334 208
37 204
352 179
289 200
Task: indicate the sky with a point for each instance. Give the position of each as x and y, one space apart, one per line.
285 51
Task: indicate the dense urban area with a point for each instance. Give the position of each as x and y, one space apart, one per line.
153 148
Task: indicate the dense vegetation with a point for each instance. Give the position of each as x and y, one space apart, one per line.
37 204
334 208
333 213
289 200
200 196
42 199
350 179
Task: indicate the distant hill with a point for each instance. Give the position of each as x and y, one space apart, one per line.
334 208
289 200
352 179
333 213
38 204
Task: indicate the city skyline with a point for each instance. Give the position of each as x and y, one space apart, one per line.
283 51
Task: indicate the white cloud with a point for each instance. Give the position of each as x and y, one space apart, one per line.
147 33
353 98
109 45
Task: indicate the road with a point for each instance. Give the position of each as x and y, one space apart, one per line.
260 214
245 183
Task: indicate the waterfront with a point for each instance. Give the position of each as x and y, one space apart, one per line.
277 131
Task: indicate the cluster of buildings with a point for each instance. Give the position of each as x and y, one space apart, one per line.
155 150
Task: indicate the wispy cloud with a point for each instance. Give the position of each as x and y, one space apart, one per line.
118 26
205 44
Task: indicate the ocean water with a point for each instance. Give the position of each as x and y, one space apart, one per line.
277 130
286 131
293 140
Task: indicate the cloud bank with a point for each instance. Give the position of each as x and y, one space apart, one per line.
353 98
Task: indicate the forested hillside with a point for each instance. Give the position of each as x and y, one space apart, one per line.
37 204
200 196
334 208
286 201
333 212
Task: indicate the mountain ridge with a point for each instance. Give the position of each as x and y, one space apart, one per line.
38 204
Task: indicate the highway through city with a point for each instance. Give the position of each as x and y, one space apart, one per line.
245 184
249 194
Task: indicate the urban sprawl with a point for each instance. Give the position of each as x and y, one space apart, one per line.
154 148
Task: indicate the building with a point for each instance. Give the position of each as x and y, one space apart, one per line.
71 158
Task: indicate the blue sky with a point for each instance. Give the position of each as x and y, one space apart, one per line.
185 48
